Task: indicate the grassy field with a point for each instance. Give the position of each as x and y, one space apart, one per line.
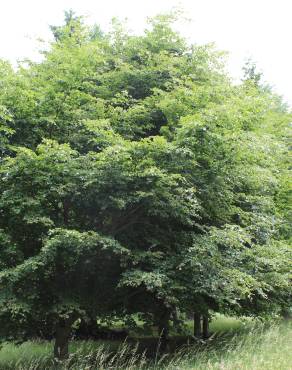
237 345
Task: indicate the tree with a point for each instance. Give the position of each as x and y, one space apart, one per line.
251 73
135 178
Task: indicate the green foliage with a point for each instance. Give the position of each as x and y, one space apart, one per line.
136 178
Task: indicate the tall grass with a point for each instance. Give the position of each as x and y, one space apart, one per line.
258 348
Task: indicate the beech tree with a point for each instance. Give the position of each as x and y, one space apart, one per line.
135 178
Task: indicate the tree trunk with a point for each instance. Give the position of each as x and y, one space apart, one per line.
61 350
163 334
205 327
286 314
197 325
163 328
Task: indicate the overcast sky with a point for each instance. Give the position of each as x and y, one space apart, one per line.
260 29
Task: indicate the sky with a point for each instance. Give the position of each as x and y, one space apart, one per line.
257 29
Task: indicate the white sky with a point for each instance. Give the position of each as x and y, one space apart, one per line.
261 29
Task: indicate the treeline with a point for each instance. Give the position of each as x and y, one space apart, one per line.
135 178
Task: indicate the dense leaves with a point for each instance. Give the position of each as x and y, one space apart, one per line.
136 178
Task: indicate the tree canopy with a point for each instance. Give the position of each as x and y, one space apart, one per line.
135 177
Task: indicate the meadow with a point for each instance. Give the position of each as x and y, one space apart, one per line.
235 344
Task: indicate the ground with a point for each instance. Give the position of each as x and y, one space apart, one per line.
237 344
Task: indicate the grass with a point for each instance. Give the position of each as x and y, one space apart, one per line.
238 345
260 348
221 323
